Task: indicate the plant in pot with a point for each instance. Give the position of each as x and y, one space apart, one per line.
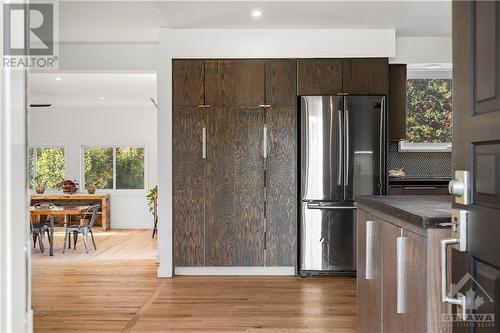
91 188
68 186
39 185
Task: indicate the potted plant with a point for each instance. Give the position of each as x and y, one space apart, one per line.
68 186
39 185
91 189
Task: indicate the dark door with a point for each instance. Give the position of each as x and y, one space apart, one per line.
476 148
364 119
319 76
188 120
234 218
281 163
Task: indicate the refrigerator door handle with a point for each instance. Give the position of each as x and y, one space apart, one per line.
382 148
340 143
319 206
346 126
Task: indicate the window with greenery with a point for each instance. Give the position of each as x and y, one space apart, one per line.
119 168
429 111
46 166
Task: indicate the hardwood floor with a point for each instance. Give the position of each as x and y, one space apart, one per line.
105 292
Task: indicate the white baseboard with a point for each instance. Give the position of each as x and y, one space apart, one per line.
164 272
241 270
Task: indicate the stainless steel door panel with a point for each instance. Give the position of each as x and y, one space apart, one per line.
364 146
321 148
328 238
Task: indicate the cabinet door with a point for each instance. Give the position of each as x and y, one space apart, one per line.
397 102
369 273
188 82
188 186
232 82
404 263
319 76
368 76
281 82
281 187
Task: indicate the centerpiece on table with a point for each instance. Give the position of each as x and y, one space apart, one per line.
68 186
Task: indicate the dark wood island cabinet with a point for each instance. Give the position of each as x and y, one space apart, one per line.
398 277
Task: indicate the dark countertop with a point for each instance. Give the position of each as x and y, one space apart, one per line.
424 211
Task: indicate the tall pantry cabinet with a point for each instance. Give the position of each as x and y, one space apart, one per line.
234 163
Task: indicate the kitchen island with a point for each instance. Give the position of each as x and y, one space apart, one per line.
398 277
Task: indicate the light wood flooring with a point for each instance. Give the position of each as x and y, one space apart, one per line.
115 289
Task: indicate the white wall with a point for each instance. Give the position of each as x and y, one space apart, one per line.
242 44
72 127
415 50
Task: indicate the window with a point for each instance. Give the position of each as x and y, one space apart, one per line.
120 168
429 114
46 166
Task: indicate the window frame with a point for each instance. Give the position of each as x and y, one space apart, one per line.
46 145
416 74
115 146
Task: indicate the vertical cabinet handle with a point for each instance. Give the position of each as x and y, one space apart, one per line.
264 141
460 300
204 143
401 278
370 242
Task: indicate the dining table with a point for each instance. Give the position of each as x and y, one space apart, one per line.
51 213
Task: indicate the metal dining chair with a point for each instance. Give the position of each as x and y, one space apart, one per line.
82 228
38 230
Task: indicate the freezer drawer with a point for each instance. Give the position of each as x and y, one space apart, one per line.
328 237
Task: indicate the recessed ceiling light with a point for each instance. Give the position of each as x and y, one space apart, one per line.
101 98
58 78
256 13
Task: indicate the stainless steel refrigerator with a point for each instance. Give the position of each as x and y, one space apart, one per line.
342 154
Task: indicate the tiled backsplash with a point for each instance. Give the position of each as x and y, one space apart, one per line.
418 164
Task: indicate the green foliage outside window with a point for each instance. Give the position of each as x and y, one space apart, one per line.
429 111
129 168
46 166
99 167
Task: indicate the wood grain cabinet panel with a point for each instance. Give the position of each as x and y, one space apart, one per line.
319 76
369 283
281 82
188 82
365 76
232 82
188 186
397 102
248 187
281 188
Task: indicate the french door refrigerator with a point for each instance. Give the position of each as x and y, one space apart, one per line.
342 154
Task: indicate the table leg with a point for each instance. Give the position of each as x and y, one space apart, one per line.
51 235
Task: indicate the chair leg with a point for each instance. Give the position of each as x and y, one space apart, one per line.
93 240
69 241
65 240
85 241
48 236
40 242
75 239
34 240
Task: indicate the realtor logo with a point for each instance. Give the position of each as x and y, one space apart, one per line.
29 35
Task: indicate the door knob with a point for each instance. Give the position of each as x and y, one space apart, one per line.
460 187
456 187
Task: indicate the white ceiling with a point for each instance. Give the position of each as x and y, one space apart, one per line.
86 89
140 21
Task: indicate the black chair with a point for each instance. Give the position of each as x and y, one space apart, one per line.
38 230
82 228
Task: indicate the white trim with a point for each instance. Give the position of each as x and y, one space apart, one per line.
237 270
424 147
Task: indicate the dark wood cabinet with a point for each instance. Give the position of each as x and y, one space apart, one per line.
188 82
221 201
369 76
397 102
402 267
319 76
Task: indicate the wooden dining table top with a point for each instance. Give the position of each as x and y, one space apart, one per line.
58 210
